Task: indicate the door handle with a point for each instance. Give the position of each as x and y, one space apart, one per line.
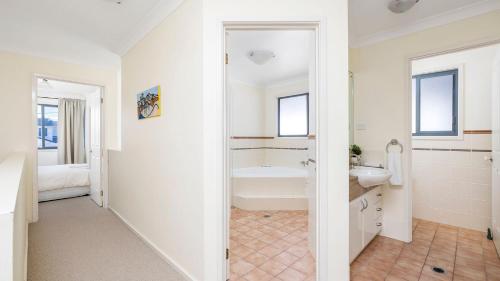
363 204
379 224
366 203
379 209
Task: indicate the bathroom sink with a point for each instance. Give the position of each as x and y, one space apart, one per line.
368 176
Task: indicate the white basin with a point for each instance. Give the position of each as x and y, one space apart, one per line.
368 176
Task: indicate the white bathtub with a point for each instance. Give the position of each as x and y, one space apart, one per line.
269 188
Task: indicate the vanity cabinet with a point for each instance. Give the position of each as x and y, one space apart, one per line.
365 220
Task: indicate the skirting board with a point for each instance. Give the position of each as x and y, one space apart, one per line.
150 244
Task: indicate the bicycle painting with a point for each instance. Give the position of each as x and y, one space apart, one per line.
148 103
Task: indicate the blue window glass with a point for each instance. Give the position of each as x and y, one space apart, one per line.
47 126
435 104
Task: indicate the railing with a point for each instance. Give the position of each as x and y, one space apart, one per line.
13 222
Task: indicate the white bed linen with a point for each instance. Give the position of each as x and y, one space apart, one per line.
62 193
63 176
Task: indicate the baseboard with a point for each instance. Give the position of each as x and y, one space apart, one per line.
155 248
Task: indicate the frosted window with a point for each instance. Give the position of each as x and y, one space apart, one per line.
293 116
435 104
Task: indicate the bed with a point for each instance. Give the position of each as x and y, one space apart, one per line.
63 181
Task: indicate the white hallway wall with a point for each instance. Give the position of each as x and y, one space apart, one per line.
16 79
381 99
454 187
156 182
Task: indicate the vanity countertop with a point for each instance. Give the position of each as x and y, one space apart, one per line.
355 189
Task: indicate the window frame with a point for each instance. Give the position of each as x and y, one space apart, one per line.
455 110
279 115
42 105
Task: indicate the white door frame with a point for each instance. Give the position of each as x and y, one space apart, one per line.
409 138
104 158
321 136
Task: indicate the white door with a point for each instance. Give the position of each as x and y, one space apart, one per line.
356 208
495 146
95 148
311 195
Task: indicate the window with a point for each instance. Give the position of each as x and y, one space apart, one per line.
47 126
435 104
293 116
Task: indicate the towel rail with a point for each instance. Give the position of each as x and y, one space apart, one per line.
393 142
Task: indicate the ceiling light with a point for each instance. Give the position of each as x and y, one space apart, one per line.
260 57
401 6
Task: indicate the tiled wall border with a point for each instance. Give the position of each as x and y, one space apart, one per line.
452 149
477 132
268 147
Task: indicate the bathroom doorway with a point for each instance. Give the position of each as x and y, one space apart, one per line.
271 156
454 137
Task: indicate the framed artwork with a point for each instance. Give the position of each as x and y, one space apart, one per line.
149 103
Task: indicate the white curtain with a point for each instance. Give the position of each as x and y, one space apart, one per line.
71 132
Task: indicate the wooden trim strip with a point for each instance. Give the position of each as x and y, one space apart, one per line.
452 149
477 132
251 138
268 147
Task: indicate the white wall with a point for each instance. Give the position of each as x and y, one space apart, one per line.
382 105
247 109
454 187
16 89
334 130
156 181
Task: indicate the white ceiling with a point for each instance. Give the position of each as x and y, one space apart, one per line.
55 88
370 21
292 50
93 32
97 32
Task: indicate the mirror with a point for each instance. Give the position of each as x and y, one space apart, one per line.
351 108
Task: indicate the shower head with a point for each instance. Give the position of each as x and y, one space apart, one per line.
401 6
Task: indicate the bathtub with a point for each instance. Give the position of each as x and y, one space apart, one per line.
269 188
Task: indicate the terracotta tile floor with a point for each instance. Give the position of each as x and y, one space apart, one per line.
463 254
270 245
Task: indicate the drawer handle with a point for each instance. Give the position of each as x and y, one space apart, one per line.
379 209
379 224
379 194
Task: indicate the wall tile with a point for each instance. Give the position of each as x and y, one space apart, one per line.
453 187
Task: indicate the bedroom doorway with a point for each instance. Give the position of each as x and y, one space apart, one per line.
68 141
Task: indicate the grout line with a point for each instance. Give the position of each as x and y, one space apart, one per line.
428 251
456 251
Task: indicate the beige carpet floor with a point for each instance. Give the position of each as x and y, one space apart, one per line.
74 240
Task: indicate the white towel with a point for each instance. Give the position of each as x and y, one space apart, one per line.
394 166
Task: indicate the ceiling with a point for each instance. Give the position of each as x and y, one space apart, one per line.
94 32
292 50
370 21
55 88
98 32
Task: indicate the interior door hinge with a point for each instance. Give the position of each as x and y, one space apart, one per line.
227 253
102 100
102 193
226 59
